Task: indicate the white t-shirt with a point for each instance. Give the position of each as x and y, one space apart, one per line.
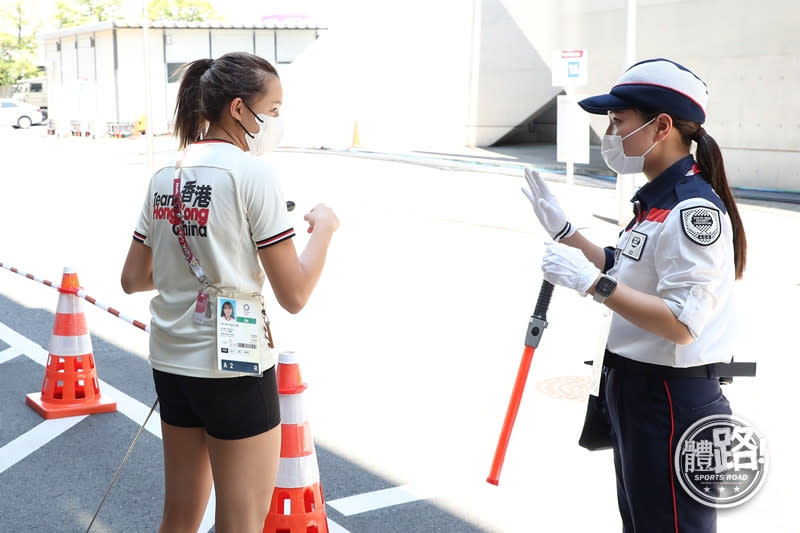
233 206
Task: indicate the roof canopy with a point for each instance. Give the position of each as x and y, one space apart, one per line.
288 24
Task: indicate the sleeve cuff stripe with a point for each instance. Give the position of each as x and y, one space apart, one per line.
139 237
288 234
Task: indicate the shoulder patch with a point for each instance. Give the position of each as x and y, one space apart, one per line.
701 224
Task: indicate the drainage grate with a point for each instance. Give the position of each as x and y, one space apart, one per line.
565 387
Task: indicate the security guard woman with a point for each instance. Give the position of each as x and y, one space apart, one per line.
669 281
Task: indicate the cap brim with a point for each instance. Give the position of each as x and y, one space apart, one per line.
603 103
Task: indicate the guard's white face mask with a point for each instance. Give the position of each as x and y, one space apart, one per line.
268 136
614 155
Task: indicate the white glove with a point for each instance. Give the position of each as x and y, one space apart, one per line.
568 267
545 205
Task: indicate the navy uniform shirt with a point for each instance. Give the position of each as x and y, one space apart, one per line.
678 247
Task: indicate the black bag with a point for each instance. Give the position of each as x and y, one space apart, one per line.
596 433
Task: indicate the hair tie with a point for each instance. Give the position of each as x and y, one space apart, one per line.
699 134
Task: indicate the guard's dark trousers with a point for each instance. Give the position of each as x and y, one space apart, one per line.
648 415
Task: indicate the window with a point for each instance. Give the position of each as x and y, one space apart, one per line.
172 72
36 87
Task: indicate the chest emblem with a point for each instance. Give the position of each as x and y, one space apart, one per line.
635 245
701 224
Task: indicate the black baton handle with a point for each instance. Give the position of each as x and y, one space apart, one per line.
543 302
538 320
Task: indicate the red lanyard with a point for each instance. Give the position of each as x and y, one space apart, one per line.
177 209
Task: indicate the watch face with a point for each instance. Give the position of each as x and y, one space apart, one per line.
605 285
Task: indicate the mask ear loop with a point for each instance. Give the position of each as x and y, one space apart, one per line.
639 128
245 130
259 119
253 112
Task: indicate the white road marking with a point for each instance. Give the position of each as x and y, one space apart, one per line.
8 354
378 499
32 440
22 344
333 527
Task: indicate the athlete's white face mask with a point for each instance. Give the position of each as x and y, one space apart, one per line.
268 136
614 154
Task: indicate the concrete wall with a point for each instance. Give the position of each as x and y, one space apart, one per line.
513 78
439 75
744 51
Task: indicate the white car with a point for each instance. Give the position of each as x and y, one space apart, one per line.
18 114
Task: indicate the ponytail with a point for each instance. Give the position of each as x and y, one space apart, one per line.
709 159
208 85
190 124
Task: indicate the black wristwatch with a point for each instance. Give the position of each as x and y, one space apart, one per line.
603 288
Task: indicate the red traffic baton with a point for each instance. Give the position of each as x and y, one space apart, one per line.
533 335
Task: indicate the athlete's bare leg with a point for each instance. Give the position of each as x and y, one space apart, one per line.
187 478
244 477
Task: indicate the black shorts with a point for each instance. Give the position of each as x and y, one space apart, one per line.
228 408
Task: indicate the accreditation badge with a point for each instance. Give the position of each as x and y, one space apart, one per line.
238 335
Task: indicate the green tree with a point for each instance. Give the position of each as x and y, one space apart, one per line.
77 12
17 43
182 10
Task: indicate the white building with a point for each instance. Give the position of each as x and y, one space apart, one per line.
96 73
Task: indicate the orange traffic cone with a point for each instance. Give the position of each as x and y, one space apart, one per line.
356 137
70 385
297 502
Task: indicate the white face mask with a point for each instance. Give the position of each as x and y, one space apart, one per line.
268 136
614 155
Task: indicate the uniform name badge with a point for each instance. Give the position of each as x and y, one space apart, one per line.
239 335
635 245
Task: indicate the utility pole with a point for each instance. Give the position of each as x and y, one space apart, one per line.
148 105
625 182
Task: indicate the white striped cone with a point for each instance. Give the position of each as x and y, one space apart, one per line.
70 386
298 505
70 335
298 467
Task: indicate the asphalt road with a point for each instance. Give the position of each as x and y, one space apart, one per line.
409 345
